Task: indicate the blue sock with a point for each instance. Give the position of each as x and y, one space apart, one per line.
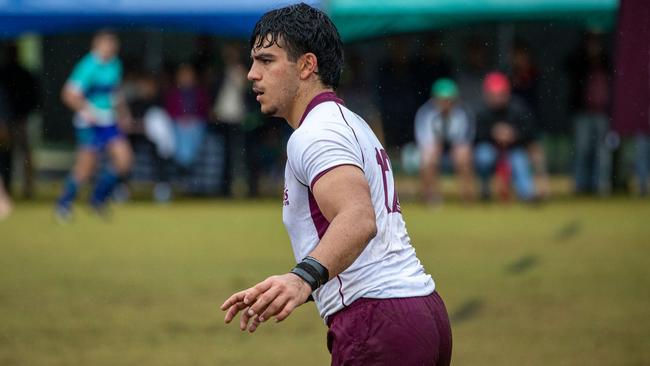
104 187
69 192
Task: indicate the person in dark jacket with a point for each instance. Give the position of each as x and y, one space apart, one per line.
504 127
23 99
591 99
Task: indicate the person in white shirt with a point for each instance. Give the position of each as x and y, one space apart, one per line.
444 133
341 210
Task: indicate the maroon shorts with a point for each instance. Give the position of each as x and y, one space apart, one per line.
402 331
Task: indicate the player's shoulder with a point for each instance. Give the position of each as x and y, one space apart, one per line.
328 112
426 110
89 60
86 65
324 123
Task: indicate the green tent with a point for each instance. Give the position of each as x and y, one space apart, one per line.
358 19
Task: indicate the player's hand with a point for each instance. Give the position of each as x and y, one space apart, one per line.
88 116
277 296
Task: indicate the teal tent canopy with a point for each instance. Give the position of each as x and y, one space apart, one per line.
358 19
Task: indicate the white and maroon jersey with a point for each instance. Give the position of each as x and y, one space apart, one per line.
329 136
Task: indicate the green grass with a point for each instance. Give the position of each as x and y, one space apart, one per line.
562 284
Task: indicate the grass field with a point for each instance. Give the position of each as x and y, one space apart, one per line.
561 284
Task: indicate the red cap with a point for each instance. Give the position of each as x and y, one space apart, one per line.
496 82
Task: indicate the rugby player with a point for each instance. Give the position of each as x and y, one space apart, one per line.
92 93
341 210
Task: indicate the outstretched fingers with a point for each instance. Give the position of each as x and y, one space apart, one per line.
273 308
265 300
277 296
233 310
286 311
233 299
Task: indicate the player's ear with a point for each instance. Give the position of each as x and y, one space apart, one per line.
307 65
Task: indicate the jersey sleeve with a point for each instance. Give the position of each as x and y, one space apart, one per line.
313 153
80 78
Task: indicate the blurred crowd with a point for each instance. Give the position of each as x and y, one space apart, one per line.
195 126
482 122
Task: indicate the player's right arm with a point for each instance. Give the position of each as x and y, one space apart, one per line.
72 94
330 161
343 196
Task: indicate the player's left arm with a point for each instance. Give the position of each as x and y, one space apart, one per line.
343 197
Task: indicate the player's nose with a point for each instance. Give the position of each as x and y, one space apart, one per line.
253 74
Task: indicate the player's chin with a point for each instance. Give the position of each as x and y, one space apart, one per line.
269 110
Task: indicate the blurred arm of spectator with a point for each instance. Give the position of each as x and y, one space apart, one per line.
518 127
503 134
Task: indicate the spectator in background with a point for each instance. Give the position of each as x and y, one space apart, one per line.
187 104
152 131
443 128
525 81
23 99
591 101
92 93
5 201
470 78
230 107
504 129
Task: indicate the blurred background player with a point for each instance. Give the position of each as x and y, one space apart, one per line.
443 130
92 93
504 128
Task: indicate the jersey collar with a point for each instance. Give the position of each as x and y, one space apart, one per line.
323 97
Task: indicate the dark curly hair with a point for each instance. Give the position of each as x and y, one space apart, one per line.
302 29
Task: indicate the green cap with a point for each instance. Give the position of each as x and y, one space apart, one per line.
444 88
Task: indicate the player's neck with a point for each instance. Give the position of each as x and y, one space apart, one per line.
302 101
